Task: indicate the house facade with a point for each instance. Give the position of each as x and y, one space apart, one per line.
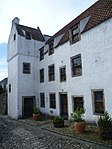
68 70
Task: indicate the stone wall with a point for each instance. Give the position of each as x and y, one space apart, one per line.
3 104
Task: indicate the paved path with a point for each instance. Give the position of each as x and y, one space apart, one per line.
17 135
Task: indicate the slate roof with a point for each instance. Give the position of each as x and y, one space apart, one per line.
35 33
99 12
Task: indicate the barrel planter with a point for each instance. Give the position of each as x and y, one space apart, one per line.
59 124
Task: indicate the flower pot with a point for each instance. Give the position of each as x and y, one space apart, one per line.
106 133
36 117
79 127
59 124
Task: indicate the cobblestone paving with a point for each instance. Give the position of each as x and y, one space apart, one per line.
17 135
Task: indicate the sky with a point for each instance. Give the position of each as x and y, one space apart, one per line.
49 15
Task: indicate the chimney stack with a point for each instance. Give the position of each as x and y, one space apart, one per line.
15 20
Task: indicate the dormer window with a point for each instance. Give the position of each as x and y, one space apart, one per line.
41 54
51 48
75 34
28 35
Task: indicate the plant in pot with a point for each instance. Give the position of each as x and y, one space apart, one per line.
79 122
58 121
36 114
105 126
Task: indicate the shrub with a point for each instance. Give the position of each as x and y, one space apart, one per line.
77 114
36 110
105 121
58 119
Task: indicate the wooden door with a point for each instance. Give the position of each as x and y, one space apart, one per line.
64 106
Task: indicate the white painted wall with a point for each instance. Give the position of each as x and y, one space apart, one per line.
19 51
95 48
13 80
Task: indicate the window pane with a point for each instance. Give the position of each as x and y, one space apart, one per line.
98 95
77 102
52 101
42 100
28 35
41 54
76 65
26 68
63 74
51 48
51 73
98 102
41 75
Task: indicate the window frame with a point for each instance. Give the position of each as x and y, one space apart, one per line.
52 100
51 48
62 75
27 35
42 100
75 37
26 71
76 98
99 101
73 66
41 75
41 53
51 74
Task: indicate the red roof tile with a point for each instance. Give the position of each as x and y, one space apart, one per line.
99 12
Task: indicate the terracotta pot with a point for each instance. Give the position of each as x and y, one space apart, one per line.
36 117
79 127
59 124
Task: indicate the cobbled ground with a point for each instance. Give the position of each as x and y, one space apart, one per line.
17 135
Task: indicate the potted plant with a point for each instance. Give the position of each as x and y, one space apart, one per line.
36 114
58 121
79 122
105 126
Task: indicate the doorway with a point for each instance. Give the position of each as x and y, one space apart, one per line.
64 105
28 104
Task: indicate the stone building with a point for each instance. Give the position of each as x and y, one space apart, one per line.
62 72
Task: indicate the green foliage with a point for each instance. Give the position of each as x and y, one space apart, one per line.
77 114
58 119
105 121
2 90
36 110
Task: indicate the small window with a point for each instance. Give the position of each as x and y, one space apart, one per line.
28 35
14 36
75 34
41 54
77 102
41 75
9 88
51 48
98 101
52 98
26 68
51 73
62 74
76 65
42 100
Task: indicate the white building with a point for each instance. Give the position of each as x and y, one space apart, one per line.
62 72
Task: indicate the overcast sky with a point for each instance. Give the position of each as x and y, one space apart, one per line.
49 15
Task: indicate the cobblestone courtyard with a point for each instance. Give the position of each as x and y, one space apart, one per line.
18 135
